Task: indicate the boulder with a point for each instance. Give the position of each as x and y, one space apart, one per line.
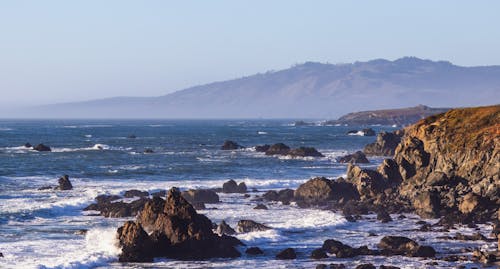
331 266
224 228
201 196
28 145
284 196
383 216
427 204
42 147
232 187
161 193
262 148
287 254
111 209
246 226
278 149
397 244
179 232
470 202
230 145
388 267
304 152
64 183
366 266
320 190
148 150
385 145
318 253
368 132
357 157
254 251
135 193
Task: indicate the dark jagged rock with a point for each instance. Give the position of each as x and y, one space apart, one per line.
385 145
199 205
342 250
135 193
399 245
284 196
261 206
304 152
262 148
388 267
232 187
148 150
45 188
331 266
278 149
254 251
319 191
318 254
201 196
357 157
103 198
179 232
42 147
224 228
161 193
28 145
64 183
246 226
287 254
112 209
364 132
230 145
132 136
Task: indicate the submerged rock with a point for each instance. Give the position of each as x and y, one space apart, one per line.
304 152
287 254
262 148
28 145
254 251
261 206
230 145
177 231
246 226
318 253
42 147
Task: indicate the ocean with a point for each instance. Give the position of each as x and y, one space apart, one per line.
42 229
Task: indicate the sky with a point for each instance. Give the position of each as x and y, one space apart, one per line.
62 51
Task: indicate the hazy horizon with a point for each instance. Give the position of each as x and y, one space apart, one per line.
57 51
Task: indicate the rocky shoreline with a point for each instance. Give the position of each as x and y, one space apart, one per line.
445 166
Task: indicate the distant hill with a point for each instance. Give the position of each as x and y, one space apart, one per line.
309 90
400 117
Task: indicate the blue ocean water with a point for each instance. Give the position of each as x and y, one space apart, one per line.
40 229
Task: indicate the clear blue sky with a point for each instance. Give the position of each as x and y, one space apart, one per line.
57 51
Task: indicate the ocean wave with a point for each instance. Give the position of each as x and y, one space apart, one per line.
6 129
88 126
358 133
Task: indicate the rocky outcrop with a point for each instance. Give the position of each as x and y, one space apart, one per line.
230 145
224 228
254 251
450 164
385 145
363 132
42 147
286 254
304 152
284 196
356 157
108 207
284 150
319 191
135 193
232 187
278 149
262 148
175 231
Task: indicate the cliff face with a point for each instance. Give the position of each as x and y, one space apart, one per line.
451 159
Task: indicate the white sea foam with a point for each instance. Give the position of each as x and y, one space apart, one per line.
358 133
88 135
261 133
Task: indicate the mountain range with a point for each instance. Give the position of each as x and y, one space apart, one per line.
309 90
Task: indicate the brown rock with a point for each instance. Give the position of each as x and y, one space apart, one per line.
135 242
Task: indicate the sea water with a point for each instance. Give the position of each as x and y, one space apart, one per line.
43 229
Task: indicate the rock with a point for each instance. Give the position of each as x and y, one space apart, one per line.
366 266
331 266
483 257
469 203
318 254
132 136
232 187
388 267
287 254
304 152
262 148
1 255
246 226
284 196
179 232
389 170
261 206
103 198
45 188
148 150
318 191
201 196
427 204
397 244
135 193
230 145
383 216
28 145
42 147
64 183
368 132
357 157
199 205
422 251
254 251
118 209
385 145
224 228
136 244
278 149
